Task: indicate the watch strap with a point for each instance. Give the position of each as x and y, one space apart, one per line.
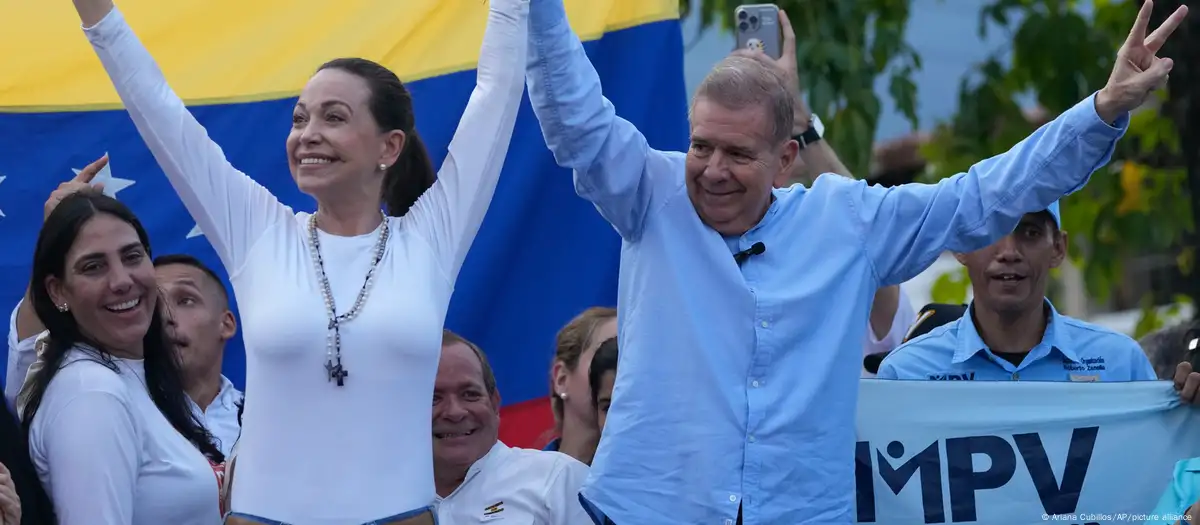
810 136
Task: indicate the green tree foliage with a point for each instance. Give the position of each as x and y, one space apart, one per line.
1059 54
842 47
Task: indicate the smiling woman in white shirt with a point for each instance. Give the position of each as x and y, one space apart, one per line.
111 432
342 309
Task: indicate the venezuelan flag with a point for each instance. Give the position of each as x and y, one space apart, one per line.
543 254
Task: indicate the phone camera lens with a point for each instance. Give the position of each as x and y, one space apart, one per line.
754 20
744 26
741 15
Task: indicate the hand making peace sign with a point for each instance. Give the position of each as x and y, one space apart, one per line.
1138 70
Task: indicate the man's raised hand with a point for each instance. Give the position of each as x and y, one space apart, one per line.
1138 70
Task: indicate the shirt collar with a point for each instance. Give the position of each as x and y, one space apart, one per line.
228 395
494 455
971 343
772 210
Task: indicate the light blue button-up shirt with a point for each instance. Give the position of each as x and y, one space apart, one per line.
738 385
1071 350
1180 495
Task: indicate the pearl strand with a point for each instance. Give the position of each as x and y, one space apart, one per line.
333 346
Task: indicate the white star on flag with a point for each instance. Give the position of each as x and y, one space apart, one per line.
112 184
2 180
195 232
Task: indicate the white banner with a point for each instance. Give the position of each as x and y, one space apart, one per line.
1013 453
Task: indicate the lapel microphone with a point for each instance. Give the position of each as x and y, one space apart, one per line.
755 249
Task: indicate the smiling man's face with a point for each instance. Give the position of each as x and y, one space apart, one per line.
466 418
1010 276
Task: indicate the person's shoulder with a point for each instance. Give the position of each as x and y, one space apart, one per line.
1086 335
939 340
920 356
828 183
546 458
666 168
87 371
825 195
83 374
548 464
672 158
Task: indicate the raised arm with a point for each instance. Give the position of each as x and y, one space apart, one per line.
906 228
231 209
610 157
450 212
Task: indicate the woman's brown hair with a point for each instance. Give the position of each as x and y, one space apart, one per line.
570 343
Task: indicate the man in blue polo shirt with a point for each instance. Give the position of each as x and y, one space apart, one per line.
1011 331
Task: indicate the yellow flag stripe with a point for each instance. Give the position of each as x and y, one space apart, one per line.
223 51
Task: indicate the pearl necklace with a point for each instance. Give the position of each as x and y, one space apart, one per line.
333 347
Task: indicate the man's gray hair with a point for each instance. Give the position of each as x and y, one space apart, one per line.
740 82
489 377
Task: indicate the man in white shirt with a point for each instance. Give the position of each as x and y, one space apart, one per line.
478 478
200 321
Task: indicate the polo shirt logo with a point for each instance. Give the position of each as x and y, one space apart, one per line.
969 376
493 511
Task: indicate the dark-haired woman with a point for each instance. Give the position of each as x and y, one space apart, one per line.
111 434
343 308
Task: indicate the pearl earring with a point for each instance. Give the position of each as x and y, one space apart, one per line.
563 396
383 167
63 307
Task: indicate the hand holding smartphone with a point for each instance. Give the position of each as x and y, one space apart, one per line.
758 28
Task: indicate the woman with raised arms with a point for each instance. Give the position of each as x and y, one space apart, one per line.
342 309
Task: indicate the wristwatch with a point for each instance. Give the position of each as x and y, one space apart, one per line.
812 134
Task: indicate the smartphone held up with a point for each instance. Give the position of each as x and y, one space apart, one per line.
758 28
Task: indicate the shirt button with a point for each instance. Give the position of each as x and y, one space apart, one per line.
765 324
1016 376
733 497
754 384
752 439
728 522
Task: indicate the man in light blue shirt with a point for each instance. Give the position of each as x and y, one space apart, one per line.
1011 332
742 307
